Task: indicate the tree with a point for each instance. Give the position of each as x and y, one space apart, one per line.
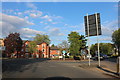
32 47
52 45
105 48
42 38
13 43
63 46
93 49
116 39
77 42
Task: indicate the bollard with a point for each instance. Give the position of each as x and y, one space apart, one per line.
118 66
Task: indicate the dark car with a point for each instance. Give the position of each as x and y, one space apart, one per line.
102 56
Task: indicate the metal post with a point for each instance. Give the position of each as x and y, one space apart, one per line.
88 39
64 57
98 41
118 66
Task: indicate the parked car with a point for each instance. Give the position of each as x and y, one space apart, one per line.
102 56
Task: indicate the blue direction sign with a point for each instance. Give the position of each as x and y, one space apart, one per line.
64 52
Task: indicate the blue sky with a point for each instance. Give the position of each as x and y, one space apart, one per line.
57 19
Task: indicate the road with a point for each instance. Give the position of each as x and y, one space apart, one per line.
44 68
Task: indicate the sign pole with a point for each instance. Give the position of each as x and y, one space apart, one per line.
63 54
88 39
118 66
98 41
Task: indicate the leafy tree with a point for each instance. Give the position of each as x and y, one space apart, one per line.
77 42
116 39
52 45
93 49
32 47
42 38
105 48
13 43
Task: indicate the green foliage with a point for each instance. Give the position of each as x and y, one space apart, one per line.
32 47
77 42
93 49
42 38
105 48
52 45
116 39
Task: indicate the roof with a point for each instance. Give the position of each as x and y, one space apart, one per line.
41 43
24 41
54 48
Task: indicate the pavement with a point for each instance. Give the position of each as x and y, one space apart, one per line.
45 68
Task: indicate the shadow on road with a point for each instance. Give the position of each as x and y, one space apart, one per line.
108 71
57 78
113 59
11 65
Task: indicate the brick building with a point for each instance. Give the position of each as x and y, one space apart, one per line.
54 52
43 50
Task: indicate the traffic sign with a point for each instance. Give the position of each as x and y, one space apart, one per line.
68 54
91 22
93 28
63 52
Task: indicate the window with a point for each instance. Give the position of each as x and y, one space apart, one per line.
43 45
43 50
26 50
22 50
26 45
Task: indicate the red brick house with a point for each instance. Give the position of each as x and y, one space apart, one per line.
42 50
54 52
24 50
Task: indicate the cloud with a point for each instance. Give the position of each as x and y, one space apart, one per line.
109 27
41 22
48 18
54 22
106 39
61 34
53 19
8 11
65 24
33 15
26 17
81 25
47 27
55 32
15 24
15 21
19 13
31 5
29 33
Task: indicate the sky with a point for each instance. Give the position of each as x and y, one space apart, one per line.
57 19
